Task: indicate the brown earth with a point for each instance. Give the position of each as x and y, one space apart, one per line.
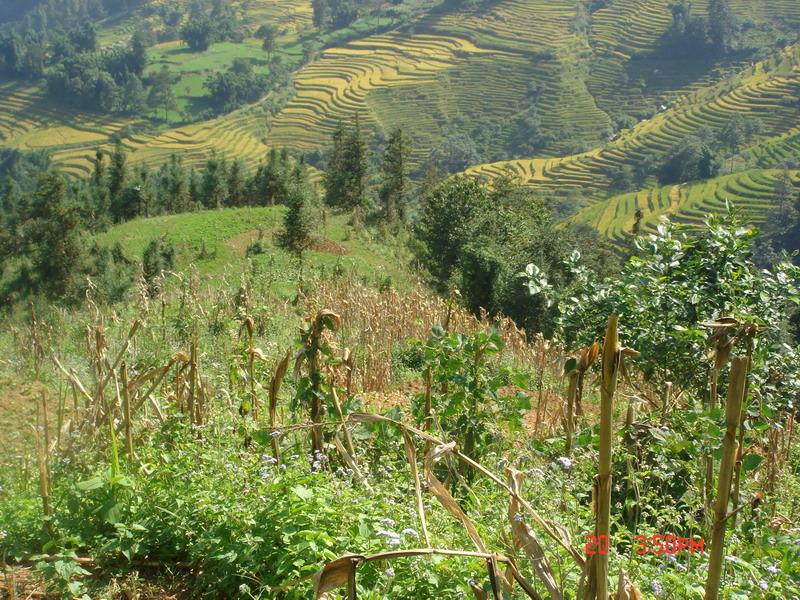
329 246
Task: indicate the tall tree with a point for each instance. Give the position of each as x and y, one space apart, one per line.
722 26
356 166
269 37
321 13
214 184
394 191
235 185
50 234
117 172
298 222
161 94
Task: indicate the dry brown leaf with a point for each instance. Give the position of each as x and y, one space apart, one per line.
525 538
335 574
625 588
445 498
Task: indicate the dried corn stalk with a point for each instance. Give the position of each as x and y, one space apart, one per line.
525 538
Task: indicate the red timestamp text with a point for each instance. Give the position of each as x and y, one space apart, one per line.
654 544
668 544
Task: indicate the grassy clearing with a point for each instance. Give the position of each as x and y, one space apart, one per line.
216 243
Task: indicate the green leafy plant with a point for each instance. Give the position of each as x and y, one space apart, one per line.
467 396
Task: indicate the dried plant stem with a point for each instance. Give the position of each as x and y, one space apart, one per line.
44 470
712 391
736 391
708 489
737 470
610 370
192 379
126 410
569 420
427 424
666 395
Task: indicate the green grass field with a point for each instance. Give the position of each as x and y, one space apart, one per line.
216 242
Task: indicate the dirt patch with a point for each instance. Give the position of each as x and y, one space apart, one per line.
240 243
329 247
19 583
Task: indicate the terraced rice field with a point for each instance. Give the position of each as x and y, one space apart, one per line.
762 95
628 27
516 25
237 136
751 192
454 70
29 121
334 88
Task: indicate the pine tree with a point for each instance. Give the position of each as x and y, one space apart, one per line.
298 222
50 238
235 185
214 188
334 171
99 168
117 172
395 177
355 167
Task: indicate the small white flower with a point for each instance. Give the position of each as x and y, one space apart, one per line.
388 534
410 532
3 534
244 589
387 521
656 587
772 569
518 518
389 572
566 463
730 558
763 585
393 541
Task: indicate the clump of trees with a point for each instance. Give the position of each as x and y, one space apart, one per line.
206 26
334 14
477 239
676 281
240 84
719 32
350 179
698 156
75 70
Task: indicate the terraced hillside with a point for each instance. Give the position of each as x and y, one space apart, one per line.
30 121
751 192
767 91
483 72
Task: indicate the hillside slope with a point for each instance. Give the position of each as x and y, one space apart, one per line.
470 83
